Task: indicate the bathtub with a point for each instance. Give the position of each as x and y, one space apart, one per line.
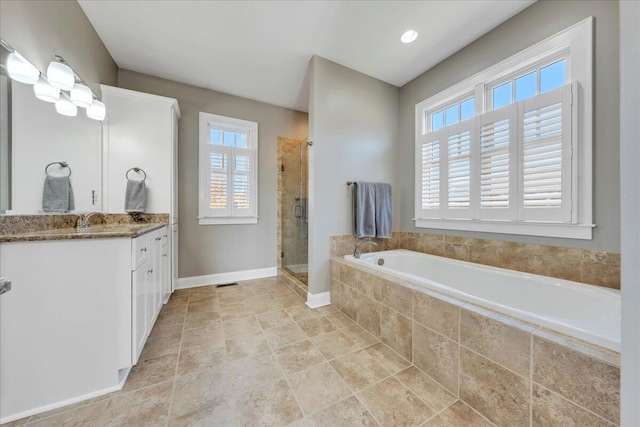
586 312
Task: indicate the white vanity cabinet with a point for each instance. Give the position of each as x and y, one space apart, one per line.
149 285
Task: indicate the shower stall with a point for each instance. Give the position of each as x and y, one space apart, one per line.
294 226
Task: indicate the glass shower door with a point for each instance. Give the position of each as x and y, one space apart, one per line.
295 221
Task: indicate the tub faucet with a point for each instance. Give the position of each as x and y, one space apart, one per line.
356 252
83 221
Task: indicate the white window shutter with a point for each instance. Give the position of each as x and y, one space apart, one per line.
218 179
428 156
498 164
241 188
545 132
456 162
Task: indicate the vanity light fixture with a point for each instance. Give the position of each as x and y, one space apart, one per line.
45 92
409 36
97 110
60 75
81 95
65 107
21 70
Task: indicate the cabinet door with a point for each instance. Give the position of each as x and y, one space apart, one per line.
164 274
174 256
157 272
140 325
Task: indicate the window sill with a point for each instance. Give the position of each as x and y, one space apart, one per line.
228 220
565 231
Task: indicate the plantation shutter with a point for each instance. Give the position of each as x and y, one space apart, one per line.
457 164
545 135
218 176
498 163
428 160
242 190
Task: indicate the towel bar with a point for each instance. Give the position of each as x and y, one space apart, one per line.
137 170
62 165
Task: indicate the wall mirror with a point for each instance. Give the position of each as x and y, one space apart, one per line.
33 135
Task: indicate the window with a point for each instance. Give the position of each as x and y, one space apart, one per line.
509 149
228 171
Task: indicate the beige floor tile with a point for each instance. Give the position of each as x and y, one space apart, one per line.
393 404
201 320
425 387
202 306
318 387
151 371
236 311
172 312
176 300
200 358
254 371
16 423
280 336
387 358
327 309
167 326
246 345
359 370
85 416
340 320
274 318
265 305
296 357
146 407
334 344
271 405
437 421
460 414
241 326
202 336
360 336
300 312
220 415
316 326
161 345
57 411
202 297
200 390
348 412
290 300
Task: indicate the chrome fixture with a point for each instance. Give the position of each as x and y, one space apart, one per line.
83 221
358 250
5 285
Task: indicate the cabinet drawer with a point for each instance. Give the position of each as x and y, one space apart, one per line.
140 250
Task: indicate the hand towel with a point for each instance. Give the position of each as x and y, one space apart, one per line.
364 209
384 210
135 198
57 194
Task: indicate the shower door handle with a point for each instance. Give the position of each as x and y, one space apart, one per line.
298 210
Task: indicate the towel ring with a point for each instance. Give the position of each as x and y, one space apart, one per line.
62 165
137 170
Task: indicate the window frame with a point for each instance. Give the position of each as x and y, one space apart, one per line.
576 45
229 214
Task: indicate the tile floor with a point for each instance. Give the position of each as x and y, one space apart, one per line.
255 355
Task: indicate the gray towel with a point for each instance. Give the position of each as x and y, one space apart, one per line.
57 194
364 209
384 210
135 198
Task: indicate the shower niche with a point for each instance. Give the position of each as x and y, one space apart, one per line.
293 227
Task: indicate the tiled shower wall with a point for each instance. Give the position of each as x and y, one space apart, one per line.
581 265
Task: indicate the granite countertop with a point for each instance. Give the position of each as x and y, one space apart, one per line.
93 232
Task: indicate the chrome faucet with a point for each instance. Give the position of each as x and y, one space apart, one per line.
83 221
358 250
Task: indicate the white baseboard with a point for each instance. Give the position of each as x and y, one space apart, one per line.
230 277
318 300
46 408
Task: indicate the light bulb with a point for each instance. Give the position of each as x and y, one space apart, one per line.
61 76
45 92
97 110
81 95
21 70
66 107
409 36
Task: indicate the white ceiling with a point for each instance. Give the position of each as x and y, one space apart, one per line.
261 49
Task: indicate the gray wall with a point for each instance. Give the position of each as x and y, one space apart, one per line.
353 125
630 158
40 29
211 249
534 24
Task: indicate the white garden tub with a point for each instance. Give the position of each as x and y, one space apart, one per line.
586 312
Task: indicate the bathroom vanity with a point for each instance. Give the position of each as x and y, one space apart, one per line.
82 306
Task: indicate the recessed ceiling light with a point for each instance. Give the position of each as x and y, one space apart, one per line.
408 36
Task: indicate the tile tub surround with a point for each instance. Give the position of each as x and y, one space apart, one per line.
511 372
195 370
581 265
